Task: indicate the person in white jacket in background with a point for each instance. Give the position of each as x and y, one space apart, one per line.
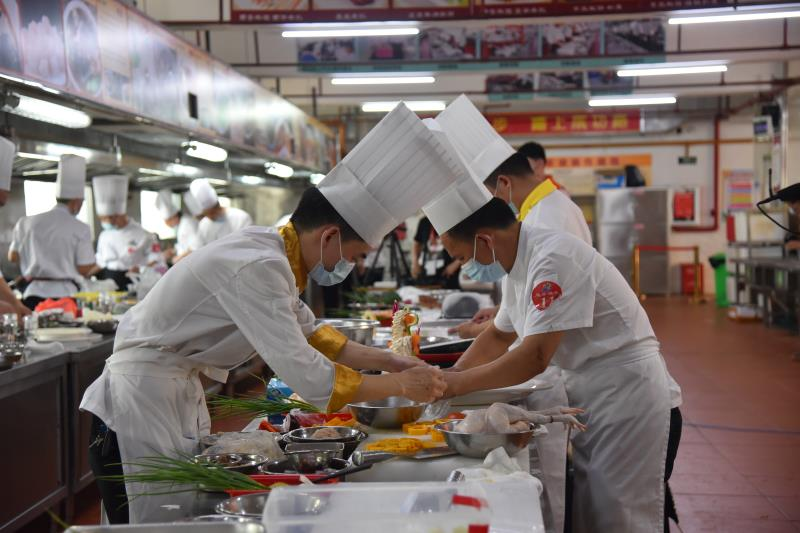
8 301
123 246
184 223
218 221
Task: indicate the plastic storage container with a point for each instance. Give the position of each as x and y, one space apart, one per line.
720 278
474 507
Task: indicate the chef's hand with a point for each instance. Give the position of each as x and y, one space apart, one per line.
21 310
453 380
468 330
399 363
421 384
485 314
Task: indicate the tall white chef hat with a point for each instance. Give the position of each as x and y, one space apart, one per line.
7 150
110 195
389 175
166 208
71 179
204 193
475 139
465 196
191 204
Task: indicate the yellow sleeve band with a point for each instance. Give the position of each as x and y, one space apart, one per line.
327 341
346 383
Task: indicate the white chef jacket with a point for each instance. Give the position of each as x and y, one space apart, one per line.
122 249
611 367
210 230
186 234
51 245
557 211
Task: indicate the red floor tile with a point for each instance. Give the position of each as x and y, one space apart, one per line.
788 505
776 485
728 507
727 483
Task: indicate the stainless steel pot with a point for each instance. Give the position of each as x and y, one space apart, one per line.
357 330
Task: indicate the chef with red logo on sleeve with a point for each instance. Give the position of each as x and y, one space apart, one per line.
123 246
569 304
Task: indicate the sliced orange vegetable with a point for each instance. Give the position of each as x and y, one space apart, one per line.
418 430
266 426
437 436
402 446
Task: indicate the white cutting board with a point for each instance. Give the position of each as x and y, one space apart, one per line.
64 334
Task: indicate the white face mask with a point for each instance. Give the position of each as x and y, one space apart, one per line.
340 271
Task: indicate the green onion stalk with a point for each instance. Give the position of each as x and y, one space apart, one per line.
273 403
182 474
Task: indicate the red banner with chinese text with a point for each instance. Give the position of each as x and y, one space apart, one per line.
565 123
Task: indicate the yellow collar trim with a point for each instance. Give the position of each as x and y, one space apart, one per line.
291 243
536 196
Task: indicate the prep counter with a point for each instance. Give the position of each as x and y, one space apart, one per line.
45 463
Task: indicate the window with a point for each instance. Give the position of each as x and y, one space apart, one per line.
151 218
40 196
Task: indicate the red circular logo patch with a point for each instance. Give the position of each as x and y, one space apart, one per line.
545 294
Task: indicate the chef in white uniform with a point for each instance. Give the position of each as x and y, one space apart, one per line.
218 221
567 303
124 245
487 153
239 296
8 301
184 222
54 249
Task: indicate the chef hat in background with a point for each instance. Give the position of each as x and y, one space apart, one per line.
463 197
204 193
191 204
71 179
475 139
7 150
389 175
164 204
110 195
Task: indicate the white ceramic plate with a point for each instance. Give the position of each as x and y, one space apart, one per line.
504 395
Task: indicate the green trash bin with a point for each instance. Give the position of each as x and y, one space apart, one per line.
720 278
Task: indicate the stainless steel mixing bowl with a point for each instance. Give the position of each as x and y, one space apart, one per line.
355 329
390 413
478 445
310 457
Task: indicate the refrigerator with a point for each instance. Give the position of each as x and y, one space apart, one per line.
638 215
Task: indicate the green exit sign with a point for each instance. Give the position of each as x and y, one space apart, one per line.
687 160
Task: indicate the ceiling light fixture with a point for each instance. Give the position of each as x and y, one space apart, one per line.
739 16
414 105
391 80
29 155
40 172
182 170
667 69
632 100
252 180
316 178
351 32
45 111
279 169
209 152
153 172
29 83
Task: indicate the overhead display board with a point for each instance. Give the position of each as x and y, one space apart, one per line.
282 11
527 124
110 54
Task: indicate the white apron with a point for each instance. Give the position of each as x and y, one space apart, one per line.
155 403
619 460
552 450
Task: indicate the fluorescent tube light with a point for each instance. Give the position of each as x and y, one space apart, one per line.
316 178
153 172
391 80
632 100
40 172
45 111
251 180
279 169
740 16
350 32
414 105
209 152
29 155
182 170
666 69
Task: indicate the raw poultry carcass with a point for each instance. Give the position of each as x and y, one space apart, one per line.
504 418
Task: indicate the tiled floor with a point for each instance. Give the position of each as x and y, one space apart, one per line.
738 466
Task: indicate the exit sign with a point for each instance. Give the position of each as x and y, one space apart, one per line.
687 160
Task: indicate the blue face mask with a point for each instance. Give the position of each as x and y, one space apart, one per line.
511 204
490 273
107 226
340 271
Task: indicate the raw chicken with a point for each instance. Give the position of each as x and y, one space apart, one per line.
504 418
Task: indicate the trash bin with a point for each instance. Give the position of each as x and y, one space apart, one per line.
720 278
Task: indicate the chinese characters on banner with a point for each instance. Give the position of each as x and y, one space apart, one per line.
565 123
